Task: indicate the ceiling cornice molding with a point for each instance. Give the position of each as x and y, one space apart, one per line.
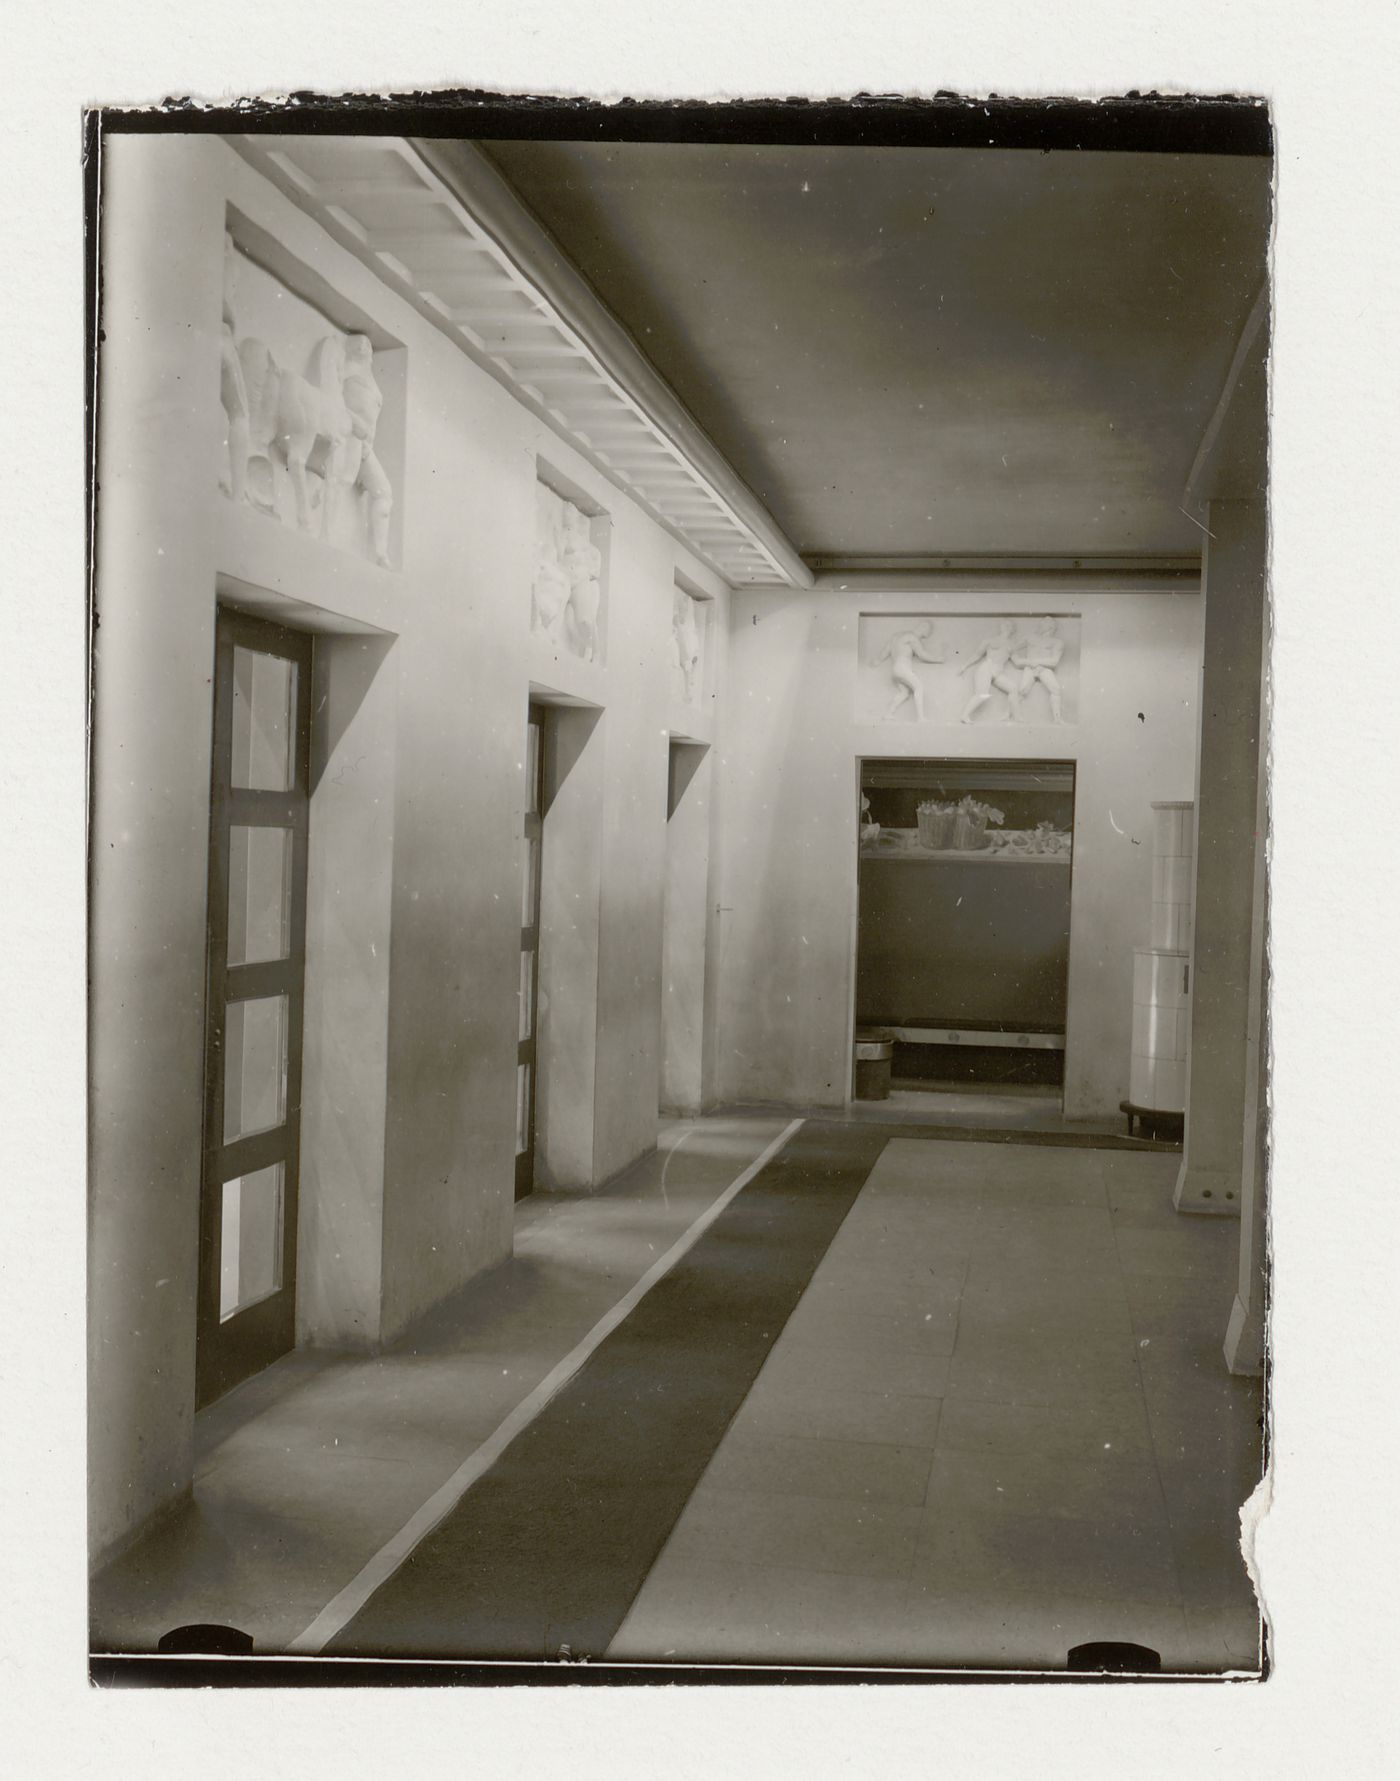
1104 574
471 258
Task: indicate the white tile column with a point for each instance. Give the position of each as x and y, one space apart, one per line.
1244 1339
1229 762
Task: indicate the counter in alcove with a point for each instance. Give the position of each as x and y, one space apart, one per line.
962 856
963 939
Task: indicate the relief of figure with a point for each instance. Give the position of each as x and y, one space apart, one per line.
321 424
1038 657
685 635
902 650
233 392
362 469
582 563
550 591
298 416
991 668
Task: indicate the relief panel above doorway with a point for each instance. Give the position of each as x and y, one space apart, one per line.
968 668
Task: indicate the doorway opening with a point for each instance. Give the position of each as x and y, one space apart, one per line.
259 804
683 933
962 952
527 1052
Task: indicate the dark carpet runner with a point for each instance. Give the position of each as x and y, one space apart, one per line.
551 1546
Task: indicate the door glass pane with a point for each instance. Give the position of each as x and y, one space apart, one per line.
264 700
250 1240
522 1108
255 1066
527 984
527 904
259 894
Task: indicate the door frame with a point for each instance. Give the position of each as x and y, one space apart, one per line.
230 1350
537 734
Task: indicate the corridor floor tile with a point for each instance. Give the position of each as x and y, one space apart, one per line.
794 1366
1096 1324
1062 1221
731 1613
1026 1276
1010 1375
910 1293
1044 1557
1208 1251
1109 1426
815 1324
885 1417
819 1466
791 1531
897 1275
1032 1483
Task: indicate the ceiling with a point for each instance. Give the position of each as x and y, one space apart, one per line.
917 352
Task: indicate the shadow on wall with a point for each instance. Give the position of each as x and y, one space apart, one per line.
343 670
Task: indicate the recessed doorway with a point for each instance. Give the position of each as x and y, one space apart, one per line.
685 899
962 952
260 795
527 1048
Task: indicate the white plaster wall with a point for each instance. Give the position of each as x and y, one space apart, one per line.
634 842
788 784
345 1040
153 656
421 1202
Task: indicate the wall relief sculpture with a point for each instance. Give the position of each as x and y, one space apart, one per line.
687 648
567 593
995 668
1036 660
302 424
991 669
902 650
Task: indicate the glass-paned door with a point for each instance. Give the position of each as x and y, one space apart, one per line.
259 800
525 1058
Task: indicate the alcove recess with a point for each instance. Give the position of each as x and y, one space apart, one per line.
964 954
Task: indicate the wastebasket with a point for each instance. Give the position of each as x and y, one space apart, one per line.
874 1061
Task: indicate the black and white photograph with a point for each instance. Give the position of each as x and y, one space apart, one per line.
678 936
699 1045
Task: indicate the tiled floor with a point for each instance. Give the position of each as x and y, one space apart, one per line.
305 1472
975 1107
998 1425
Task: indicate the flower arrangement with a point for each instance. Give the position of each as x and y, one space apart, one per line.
962 825
937 823
973 816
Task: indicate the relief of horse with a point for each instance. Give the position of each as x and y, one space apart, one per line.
303 420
